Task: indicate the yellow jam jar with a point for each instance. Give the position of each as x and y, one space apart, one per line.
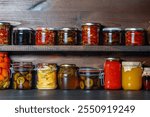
132 75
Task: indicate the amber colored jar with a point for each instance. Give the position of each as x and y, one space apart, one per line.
90 34
146 78
45 36
22 75
4 70
46 76
134 36
5 33
112 73
68 76
67 36
112 36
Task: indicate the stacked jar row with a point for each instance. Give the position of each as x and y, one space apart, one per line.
90 34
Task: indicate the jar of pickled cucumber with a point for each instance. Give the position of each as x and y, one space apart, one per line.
4 70
132 75
68 76
46 76
22 75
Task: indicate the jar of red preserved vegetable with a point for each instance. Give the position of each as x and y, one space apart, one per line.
134 36
112 73
45 36
90 34
112 36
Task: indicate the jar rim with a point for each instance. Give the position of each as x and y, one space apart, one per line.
68 28
4 23
23 28
89 69
113 59
91 24
134 29
67 65
131 63
44 28
112 29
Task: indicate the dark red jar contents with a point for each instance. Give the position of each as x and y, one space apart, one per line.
146 78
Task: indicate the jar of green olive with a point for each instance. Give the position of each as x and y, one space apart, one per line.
68 76
67 36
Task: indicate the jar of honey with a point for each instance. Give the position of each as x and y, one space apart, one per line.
68 76
132 75
146 78
112 73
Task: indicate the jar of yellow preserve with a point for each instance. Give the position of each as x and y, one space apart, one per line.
132 75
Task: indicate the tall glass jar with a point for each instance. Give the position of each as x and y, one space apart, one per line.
22 75
46 76
68 76
67 36
132 75
146 78
112 73
4 70
90 34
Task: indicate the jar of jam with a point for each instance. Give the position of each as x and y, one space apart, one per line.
134 36
112 36
68 76
132 75
22 75
67 36
5 33
4 70
89 78
146 78
46 76
90 34
45 36
112 73
23 36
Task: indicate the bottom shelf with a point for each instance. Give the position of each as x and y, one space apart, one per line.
73 95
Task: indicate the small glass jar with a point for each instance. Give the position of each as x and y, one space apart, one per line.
46 76
45 36
134 36
23 36
22 75
67 36
90 34
5 33
68 76
146 78
112 36
4 70
89 78
112 73
132 75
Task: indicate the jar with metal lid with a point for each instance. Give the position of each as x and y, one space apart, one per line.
90 78
67 36
112 73
22 75
46 76
45 36
112 36
146 78
90 34
4 70
23 36
134 36
5 33
68 76
132 75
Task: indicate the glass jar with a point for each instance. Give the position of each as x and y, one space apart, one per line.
112 73
90 34
45 36
67 36
5 33
47 78
112 36
132 75
68 76
134 36
23 36
146 78
89 78
22 75
4 70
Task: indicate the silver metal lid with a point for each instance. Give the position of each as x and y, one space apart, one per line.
113 59
67 65
112 29
4 23
91 24
23 28
131 63
134 29
68 28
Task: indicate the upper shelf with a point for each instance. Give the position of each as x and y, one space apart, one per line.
77 48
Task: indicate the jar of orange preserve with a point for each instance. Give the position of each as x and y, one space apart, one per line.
132 75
